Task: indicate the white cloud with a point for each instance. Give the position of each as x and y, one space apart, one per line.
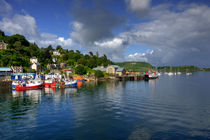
178 37
20 24
47 39
116 43
26 25
139 56
5 8
139 7
113 48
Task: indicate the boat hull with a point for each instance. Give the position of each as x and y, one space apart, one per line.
19 88
71 83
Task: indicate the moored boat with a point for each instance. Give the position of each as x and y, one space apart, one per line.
31 84
47 83
70 83
55 85
15 83
153 76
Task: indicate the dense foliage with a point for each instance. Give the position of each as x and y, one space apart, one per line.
19 51
136 66
99 74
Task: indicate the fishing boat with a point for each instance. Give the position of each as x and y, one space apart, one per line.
153 75
70 83
55 85
15 83
47 83
30 84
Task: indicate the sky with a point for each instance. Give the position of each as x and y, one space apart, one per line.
161 32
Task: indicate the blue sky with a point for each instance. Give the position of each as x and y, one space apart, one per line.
161 32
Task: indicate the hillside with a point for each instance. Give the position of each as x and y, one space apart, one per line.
186 68
136 66
19 51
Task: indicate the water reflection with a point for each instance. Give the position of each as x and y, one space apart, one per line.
58 93
34 96
170 108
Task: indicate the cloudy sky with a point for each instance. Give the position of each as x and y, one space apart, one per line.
161 32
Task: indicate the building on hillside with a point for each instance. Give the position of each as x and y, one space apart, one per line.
5 73
35 64
53 66
56 52
54 59
33 60
63 65
17 69
67 71
112 69
101 68
3 46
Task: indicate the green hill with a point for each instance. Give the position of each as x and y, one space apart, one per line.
136 66
186 68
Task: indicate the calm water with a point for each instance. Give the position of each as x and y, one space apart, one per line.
176 107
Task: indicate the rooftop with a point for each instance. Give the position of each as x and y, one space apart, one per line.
100 68
5 69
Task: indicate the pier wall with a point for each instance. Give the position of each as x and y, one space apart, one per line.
130 77
5 84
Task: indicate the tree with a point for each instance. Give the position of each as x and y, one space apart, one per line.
59 47
80 69
91 53
99 74
2 33
50 48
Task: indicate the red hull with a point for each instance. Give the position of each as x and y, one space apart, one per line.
19 88
47 85
53 85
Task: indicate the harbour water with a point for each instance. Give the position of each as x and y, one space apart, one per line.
171 107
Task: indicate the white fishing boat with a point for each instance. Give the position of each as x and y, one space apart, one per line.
153 75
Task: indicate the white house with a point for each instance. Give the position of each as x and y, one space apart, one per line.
34 60
35 64
56 53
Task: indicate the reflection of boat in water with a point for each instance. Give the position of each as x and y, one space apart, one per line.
33 95
188 73
70 90
179 73
170 73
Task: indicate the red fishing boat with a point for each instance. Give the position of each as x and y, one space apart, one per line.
47 83
31 84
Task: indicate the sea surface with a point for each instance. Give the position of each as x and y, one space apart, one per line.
171 107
